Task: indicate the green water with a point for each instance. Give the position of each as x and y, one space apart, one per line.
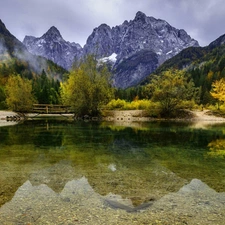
141 161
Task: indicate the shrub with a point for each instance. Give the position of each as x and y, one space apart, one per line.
134 105
188 104
116 104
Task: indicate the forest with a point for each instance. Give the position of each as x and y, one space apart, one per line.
88 89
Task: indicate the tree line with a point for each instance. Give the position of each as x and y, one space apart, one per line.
88 89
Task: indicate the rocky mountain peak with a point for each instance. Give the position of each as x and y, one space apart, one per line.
96 41
139 47
13 49
140 16
52 46
53 34
100 32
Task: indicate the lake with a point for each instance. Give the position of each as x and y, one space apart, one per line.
63 172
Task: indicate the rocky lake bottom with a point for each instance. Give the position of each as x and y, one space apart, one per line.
159 172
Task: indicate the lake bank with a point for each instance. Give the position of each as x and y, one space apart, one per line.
122 116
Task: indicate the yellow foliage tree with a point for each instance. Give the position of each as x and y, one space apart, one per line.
88 88
218 90
217 148
19 95
170 89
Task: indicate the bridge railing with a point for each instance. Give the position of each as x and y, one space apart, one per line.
51 109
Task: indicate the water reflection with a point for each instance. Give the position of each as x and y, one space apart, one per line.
217 148
140 163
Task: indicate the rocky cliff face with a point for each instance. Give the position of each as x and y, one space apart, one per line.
137 47
52 46
18 59
218 42
9 43
141 45
141 33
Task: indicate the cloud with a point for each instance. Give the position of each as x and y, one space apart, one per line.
202 19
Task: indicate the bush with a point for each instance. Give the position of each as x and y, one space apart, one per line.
116 104
222 108
188 104
134 105
144 104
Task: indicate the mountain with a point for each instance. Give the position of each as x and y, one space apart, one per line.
141 33
8 43
193 57
52 46
133 50
16 59
203 64
218 42
141 45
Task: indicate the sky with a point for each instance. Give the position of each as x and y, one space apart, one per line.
203 20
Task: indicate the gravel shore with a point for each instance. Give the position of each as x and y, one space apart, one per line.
195 203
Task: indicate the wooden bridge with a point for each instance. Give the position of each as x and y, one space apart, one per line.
51 109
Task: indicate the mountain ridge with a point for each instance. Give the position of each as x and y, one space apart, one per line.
8 42
130 40
16 59
52 46
204 65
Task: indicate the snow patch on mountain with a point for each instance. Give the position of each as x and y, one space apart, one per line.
112 58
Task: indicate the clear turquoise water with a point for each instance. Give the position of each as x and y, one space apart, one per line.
141 161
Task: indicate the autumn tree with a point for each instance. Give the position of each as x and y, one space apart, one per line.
88 88
170 89
218 90
19 95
